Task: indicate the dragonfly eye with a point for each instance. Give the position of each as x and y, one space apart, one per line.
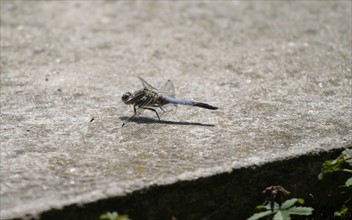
126 97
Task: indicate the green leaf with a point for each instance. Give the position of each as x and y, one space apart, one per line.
347 153
300 201
320 176
348 156
122 217
282 215
113 216
260 215
349 161
288 203
342 213
349 182
103 217
300 210
347 170
268 207
261 207
109 216
276 207
330 166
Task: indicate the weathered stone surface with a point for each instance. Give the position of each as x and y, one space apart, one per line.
280 73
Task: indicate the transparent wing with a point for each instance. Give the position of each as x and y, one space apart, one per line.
147 85
168 89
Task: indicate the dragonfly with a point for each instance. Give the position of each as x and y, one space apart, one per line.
150 98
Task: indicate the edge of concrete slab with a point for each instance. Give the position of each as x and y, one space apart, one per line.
218 196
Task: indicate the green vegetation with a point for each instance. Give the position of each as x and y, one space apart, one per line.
332 170
113 216
284 211
274 209
342 164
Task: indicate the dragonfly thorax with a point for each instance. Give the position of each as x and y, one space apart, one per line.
143 97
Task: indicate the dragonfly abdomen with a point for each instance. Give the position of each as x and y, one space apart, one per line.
205 105
187 102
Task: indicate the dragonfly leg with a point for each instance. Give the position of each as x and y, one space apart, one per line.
151 109
134 109
162 108
130 118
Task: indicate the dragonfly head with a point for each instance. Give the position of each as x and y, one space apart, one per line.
126 98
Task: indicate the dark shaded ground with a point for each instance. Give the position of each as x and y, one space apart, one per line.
224 196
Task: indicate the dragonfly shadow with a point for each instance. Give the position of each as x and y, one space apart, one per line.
146 120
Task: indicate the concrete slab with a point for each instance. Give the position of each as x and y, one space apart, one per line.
280 72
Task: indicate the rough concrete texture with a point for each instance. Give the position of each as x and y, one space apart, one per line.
280 72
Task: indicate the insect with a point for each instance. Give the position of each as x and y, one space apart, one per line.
150 98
